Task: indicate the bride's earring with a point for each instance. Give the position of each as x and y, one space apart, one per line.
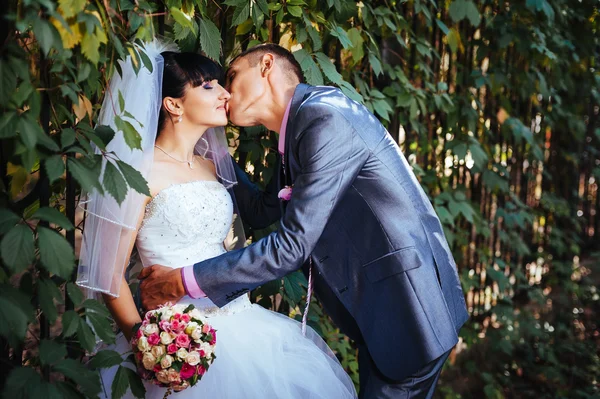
180 118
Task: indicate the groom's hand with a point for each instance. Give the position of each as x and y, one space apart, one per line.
160 284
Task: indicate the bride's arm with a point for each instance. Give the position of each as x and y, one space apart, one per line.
123 307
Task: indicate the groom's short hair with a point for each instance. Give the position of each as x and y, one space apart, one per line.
291 67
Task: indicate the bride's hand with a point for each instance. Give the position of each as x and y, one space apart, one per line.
160 284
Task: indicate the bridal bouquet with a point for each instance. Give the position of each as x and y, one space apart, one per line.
173 347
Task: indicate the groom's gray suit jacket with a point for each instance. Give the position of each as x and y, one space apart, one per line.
385 273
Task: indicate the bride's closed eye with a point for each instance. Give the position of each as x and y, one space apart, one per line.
207 86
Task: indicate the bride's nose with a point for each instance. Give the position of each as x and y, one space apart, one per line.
225 95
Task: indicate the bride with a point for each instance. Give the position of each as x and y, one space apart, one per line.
179 109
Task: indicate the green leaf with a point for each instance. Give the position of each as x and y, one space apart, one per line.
104 359
135 383
453 40
473 13
90 47
46 300
134 178
51 351
8 124
131 135
86 336
121 101
210 39
458 10
21 382
295 11
315 37
114 183
182 18
92 305
444 215
30 131
55 167
375 64
16 312
70 322
75 294
146 61
328 68
67 137
309 67
442 26
67 390
7 220
479 155
105 133
17 248
56 254
44 33
101 326
264 7
86 173
342 36
88 380
52 215
382 108
357 41
241 13
120 383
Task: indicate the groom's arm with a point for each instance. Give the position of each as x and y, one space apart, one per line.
258 208
331 156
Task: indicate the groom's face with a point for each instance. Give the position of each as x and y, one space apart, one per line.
247 87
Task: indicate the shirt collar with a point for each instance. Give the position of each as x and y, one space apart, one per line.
282 129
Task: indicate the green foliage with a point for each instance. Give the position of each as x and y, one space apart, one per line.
492 103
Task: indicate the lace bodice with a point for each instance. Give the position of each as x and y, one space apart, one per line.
185 223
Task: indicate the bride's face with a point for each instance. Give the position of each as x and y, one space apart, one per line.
205 105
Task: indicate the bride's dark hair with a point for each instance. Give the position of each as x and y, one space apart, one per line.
181 69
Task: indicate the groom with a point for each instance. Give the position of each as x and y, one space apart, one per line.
382 267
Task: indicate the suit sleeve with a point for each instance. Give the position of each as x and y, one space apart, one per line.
330 156
259 209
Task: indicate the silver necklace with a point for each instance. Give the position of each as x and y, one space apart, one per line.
190 163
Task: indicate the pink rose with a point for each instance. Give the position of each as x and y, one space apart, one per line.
182 340
177 326
164 325
185 318
157 368
177 316
285 193
206 328
154 339
201 370
202 353
138 333
187 371
139 356
172 348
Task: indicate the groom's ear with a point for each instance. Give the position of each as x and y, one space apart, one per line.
267 62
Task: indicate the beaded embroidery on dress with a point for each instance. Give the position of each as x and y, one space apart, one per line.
260 354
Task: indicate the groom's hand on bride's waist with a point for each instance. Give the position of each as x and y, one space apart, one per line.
159 285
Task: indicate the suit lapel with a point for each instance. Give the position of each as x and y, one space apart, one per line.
297 100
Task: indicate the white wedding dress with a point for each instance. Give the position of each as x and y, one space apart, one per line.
260 354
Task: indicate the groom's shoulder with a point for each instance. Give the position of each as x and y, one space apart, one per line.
323 100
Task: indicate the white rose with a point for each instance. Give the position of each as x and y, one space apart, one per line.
166 362
179 308
148 361
182 353
195 314
158 351
207 348
192 325
143 344
151 329
193 358
196 334
163 376
166 314
165 338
